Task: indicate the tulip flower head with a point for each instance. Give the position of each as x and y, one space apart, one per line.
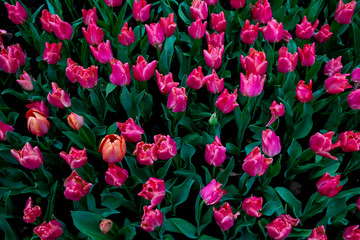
329 186
237 3
166 147
38 106
130 130
165 83
249 33
251 85
113 3
127 36
286 61
155 35
49 231
76 187
337 83
218 22
350 141
353 99
52 52
324 34
277 110
168 25
93 34
115 175
197 29
199 9
226 102
321 144
3 129
12 58
112 148
281 226
28 157
273 31
120 73
151 219
352 233
75 158
344 12
102 52
318 233
270 143
177 99
25 81
305 30
213 57
355 75
215 153
255 164
261 11
307 55
141 10
214 84
333 66
215 39
89 16
58 98
211 193
145 153
31 212
252 206
37 122
143 71
254 63
303 92
154 190
224 217
106 224
16 13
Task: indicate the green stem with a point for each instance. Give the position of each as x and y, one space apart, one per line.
142 53
152 169
213 172
158 52
306 74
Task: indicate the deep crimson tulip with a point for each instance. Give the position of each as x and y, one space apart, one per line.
177 99
37 122
145 153
251 85
214 84
329 186
168 25
215 39
224 217
165 83
303 92
106 224
93 34
112 148
237 3
28 157
195 80
255 164
333 66
155 35
281 226
321 144
166 147
154 190
352 233
102 52
49 231
324 34
52 52
261 11
115 175
89 16
344 12
16 13
305 30
58 98
151 219
218 22
120 73
75 158
215 153
226 102
273 31
350 141
25 81
249 33
31 212
130 130
213 57
211 193
337 83
141 10
11 58
277 110
3 129
113 3
76 187
199 9
127 36
353 99
252 206
307 55
197 29
318 234
255 62
143 71
286 61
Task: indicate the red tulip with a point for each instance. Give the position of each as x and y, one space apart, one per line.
31 212
112 148
344 12
28 157
237 3
89 16
3 129
76 187
106 224
145 153
318 234
165 83
218 22
261 11
130 130
154 190
303 92
11 58
252 206
255 62
211 193
337 83
141 10
177 99
277 110
333 66
168 25
305 30
273 31
281 226
127 36
16 13
93 34
224 217
143 71
102 52
353 99
286 61
113 3
165 147
355 75
321 144
58 98
227 102
151 219
329 186
25 81
52 52
199 9
120 73
251 85
197 29
324 34
307 55
115 175
37 123
49 231
249 33
214 84
75 158
256 164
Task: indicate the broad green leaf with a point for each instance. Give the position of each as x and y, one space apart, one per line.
181 226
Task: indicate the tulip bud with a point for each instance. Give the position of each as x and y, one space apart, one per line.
112 148
256 164
165 83
89 16
143 71
127 36
307 55
197 29
120 73
277 110
130 130
151 219
344 12
199 9
237 3
251 85
93 34
58 98
337 83
305 30
28 156
218 22
213 83
287 61
177 99
211 193
37 122
76 187
252 206
303 92
281 227
350 141
224 217
16 13
141 10
324 34
75 158
215 39
329 186
249 33
11 58
115 175
333 66
38 106
273 31
213 57
215 153
270 143
213 120
165 147
255 62
154 190
227 102
3 129
168 25
102 52
155 35
49 231
352 233
31 212
145 153
321 144
261 11
25 81
113 3
318 234
353 99
106 224
52 52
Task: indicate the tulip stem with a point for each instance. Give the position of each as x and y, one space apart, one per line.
152 169
199 216
141 50
158 52
306 74
213 172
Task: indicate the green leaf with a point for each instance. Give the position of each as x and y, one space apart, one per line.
223 176
161 173
88 136
180 193
335 117
270 208
9 233
291 200
186 152
16 140
51 201
294 150
75 138
184 10
356 33
304 125
166 55
179 225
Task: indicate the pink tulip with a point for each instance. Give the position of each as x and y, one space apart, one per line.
130 130
321 144
305 30
353 99
358 204
16 13
215 153
73 71
251 85
11 58
143 71
249 33
344 12
261 11
273 31
25 81
307 55
106 225
76 187
286 36
270 143
281 226
93 34
303 92
145 153
127 36
165 83
115 175
227 102
120 73
154 190
177 99
349 141
333 66
49 231
61 29
199 9
75 158
141 10
237 3
102 52
337 83
197 29
45 20
28 156
37 122
89 16
318 234
252 206
38 106
113 148
256 164
211 193
286 61
155 35
211 2
86 77
52 52
2 32
113 3
215 39
329 186
195 80
213 57
3 129
324 34
224 217
31 212
277 110
355 75
352 233
58 98
166 147
218 22
214 84
151 219
168 25
255 62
